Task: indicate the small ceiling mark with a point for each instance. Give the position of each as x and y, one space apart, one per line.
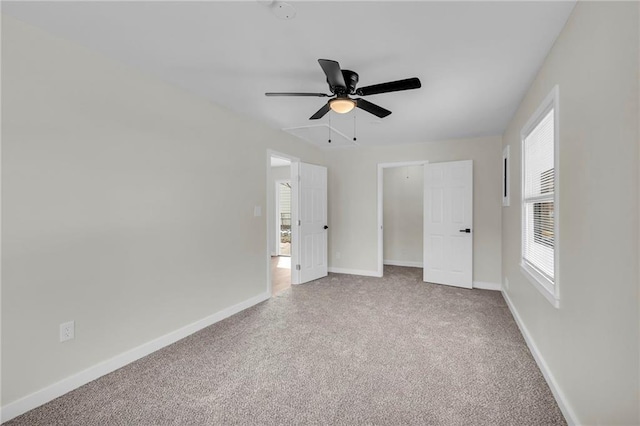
283 10
279 8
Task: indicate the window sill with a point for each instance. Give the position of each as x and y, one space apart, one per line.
541 284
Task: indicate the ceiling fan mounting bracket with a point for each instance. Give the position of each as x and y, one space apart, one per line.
351 80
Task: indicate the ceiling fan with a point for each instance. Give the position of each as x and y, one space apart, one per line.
342 83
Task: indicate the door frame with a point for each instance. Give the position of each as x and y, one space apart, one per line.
270 211
381 167
279 182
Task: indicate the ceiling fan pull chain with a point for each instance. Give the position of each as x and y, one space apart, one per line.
354 126
329 126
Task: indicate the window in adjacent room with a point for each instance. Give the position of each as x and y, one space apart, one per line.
539 198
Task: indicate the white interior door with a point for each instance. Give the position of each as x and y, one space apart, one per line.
312 248
448 223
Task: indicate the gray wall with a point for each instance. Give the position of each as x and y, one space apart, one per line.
403 216
116 209
591 343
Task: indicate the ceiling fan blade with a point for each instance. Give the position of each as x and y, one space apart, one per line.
374 109
392 86
321 112
319 95
333 73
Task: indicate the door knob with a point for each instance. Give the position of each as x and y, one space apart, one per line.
326 227
467 230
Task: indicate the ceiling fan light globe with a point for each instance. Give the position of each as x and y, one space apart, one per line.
341 105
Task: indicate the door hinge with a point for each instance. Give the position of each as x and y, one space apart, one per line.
299 223
298 178
297 267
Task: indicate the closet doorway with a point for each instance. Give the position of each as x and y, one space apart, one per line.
400 214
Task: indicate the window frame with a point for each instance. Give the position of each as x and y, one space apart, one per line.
549 289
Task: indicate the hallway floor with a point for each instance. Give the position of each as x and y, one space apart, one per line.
280 274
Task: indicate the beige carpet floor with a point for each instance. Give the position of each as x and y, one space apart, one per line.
343 350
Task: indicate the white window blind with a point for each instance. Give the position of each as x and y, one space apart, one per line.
538 197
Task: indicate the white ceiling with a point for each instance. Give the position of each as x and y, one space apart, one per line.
475 59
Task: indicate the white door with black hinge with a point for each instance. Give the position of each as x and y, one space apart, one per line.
312 226
448 223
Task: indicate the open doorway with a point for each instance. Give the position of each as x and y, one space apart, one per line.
283 217
280 238
400 214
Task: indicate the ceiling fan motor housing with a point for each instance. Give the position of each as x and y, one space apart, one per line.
351 80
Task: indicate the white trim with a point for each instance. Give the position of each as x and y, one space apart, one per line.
269 216
276 221
550 291
550 101
556 194
295 227
381 167
355 272
561 399
538 281
408 263
42 396
482 285
402 164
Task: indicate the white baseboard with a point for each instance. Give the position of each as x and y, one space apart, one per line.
487 286
29 402
411 264
567 411
355 272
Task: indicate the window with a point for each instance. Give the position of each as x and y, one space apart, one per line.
539 201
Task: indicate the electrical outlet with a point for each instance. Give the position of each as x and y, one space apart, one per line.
67 331
506 283
338 255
